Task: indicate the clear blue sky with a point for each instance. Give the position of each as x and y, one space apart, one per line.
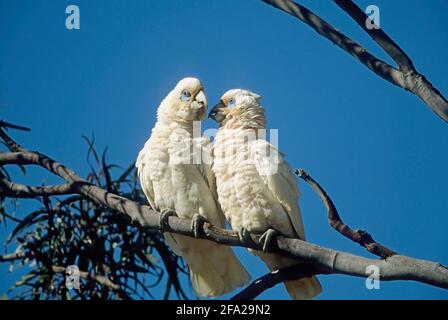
378 150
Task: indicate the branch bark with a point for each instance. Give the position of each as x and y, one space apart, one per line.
324 260
273 278
362 237
17 190
406 77
13 256
377 34
100 279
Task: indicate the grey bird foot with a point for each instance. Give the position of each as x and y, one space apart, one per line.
163 220
244 236
268 240
197 225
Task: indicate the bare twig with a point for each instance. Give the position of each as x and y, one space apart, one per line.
363 238
4 124
273 278
11 144
405 77
11 217
13 256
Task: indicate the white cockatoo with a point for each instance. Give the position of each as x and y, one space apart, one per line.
256 187
174 179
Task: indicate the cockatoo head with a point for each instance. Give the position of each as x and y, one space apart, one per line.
186 102
239 108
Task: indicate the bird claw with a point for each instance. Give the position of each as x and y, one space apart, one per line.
163 220
244 235
267 240
197 225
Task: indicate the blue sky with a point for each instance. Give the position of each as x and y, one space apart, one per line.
379 151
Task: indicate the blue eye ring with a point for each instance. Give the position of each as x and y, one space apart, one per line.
185 95
231 102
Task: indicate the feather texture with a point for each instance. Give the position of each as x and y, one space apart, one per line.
256 187
172 178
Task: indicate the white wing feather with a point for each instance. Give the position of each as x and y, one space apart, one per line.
278 176
146 183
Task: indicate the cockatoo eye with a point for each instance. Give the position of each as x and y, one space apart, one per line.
231 103
185 96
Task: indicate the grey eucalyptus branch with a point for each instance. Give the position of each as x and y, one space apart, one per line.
406 76
269 280
324 260
17 190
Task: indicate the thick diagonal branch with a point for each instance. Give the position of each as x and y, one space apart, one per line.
324 260
406 77
326 30
18 190
377 34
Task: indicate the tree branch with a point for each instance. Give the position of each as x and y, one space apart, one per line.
377 34
324 260
326 30
273 278
17 190
100 279
13 256
406 77
363 238
4 124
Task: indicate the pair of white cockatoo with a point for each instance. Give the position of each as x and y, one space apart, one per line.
236 182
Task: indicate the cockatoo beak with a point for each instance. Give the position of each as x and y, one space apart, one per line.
217 113
201 98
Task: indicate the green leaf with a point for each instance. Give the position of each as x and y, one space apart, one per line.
26 222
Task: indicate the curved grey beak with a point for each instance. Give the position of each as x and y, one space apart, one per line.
217 112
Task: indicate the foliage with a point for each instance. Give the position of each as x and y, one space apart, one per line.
74 230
